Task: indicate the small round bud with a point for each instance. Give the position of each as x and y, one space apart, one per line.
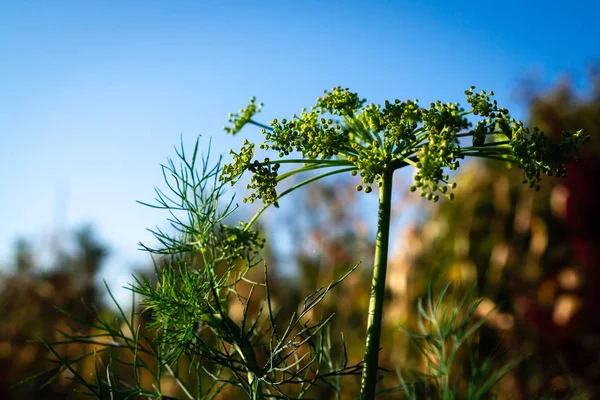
413 188
353 172
368 189
359 188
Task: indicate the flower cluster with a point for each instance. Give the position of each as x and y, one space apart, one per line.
441 151
243 117
308 134
263 181
339 102
242 243
401 120
481 102
369 140
370 162
536 154
241 162
447 116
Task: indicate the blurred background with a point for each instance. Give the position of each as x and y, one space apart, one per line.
94 95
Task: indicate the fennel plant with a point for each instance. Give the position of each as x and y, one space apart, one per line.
206 260
343 134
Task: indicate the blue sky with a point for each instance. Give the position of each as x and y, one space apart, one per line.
95 94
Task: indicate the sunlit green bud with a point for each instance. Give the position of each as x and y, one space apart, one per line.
413 188
436 198
359 188
451 197
368 189
453 185
353 172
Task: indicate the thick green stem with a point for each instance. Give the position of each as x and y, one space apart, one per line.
369 376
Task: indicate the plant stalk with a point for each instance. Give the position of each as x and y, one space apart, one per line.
221 324
369 375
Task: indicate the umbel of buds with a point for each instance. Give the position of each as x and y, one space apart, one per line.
344 134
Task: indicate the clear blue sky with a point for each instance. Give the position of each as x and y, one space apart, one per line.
94 94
